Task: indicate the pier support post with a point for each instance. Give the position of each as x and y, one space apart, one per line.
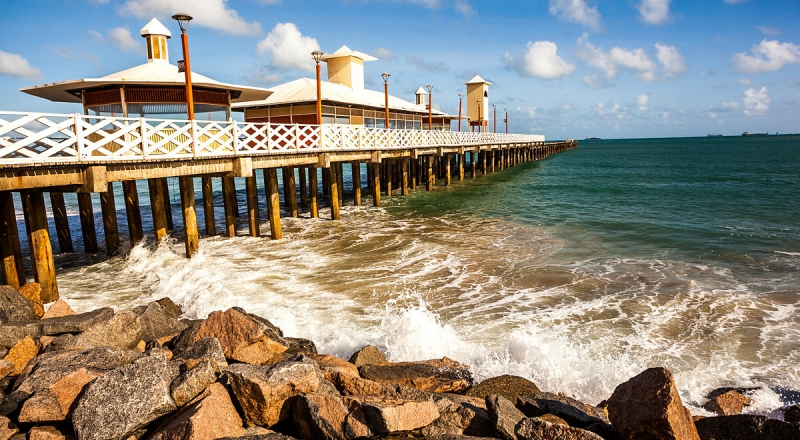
133 212
340 186
333 190
473 164
376 183
431 175
10 249
228 201
208 205
41 249
326 180
62 222
157 207
274 202
186 184
388 176
88 230
301 171
290 190
413 169
252 204
461 157
404 178
312 193
356 169
167 204
108 207
447 176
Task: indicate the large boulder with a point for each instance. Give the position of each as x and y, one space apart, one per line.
368 355
122 331
7 429
242 338
508 386
332 365
746 427
792 414
385 415
503 415
648 407
459 415
536 429
193 382
318 416
211 415
75 323
126 399
58 309
56 402
20 354
206 348
436 376
13 332
14 306
33 291
728 404
574 412
159 320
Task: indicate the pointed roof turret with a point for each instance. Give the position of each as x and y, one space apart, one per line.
477 80
420 91
154 27
345 51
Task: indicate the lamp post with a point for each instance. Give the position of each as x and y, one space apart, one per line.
460 98
480 117
386 95
506 119
494 118
430 106
183 21
317 55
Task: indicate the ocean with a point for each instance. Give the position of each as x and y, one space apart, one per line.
577 272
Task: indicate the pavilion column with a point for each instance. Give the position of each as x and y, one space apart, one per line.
312 192
41 249
376 183
108 206
208 205
167 204
252 205
10 249
356 169
273 202
88 229
334 191
301 171
62 222
158 208
228 201
133 212
404 179
186 184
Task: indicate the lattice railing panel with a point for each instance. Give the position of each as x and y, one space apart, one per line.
214 139
37 137
169 139
110 138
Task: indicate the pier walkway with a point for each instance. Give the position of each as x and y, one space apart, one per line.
58 153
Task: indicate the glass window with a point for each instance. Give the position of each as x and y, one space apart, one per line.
380 123
369 122
343 120
417 125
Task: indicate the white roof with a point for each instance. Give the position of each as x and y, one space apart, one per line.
345 51
420 91
154 27
478 80
304 90
156 73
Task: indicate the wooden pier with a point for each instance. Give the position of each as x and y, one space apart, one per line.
58 153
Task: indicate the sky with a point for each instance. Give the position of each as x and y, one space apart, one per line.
562 68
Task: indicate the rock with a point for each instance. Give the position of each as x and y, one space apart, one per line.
58 309
331 365
386 415
122 331
728 404
206 348
503 415
193 382
6 368
7 429
300 346
368 355
14 306
172 310
604 430
75 323
67 342
648 406
553 419
33 291
262 391
535 429
510 387
792 414
14 332
349 385
320 417
437 376
459 415
272 331
20 354
211 415
57 403
574 412
125 399
746 426
270 435
47 432
242 339
157 321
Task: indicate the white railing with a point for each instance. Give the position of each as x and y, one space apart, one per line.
45 138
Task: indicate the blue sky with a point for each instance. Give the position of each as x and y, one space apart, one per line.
563 68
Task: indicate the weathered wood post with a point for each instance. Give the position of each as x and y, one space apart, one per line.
62 222
461 158
157 207
301 171
208 205
340 186
10 249
228 201
41 249
290 190
133 211
326 180
274 202
333 190
167 204
88 230
388 176
108 206
312 193
431 175
447 177
404 177
186 184
356 169
376 183
252 204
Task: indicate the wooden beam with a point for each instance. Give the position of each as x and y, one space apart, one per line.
41 249
274 202
313 203
157 206
88 230
333 190
133 212
108 207
252 205
228 199
10 249
61 220
356 169
186 184
208 205
376 183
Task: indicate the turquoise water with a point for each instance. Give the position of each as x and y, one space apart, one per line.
577 272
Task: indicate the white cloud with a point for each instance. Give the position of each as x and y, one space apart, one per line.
595 81
289 48
611 111
637 60
746 82
16 65
541 60
462 7
437 66
756 102
261 76
768 57
118 37
99 2
672 62
576 11
214 14
654 11
643 103
383 53
770 31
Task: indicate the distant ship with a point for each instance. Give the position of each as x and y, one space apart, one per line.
711 135
747 133
593 138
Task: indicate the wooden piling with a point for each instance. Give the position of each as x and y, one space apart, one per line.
108 207
431 175
313 203
10 249
252 205
157 208
447 176
229 203
340 186
290 190
376 184
88 230
62 222
326 180
388 176
186 184
301 171
208 205
167 204
133 212
333 190
404 178
41 249
356 169
461 158
274 202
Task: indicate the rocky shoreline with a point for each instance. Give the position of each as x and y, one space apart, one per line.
145 373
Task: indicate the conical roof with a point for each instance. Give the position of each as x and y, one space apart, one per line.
478 80
154 27
345 51
420 91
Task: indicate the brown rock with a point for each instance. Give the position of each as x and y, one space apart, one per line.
792 414
728 404
6 368
50 433
330 365
437 376
459 415
575 412
648 407
386 415
58 309
320 416
158 321
508 386
7 429
206 348
57 402
241 338
123 331
22 353
503 415
44 341
300 346
172 310
556 420
368 355
33 291
356 386
209 416
535 429
14 307
746 427
193 382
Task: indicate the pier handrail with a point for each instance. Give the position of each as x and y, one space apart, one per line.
52 138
